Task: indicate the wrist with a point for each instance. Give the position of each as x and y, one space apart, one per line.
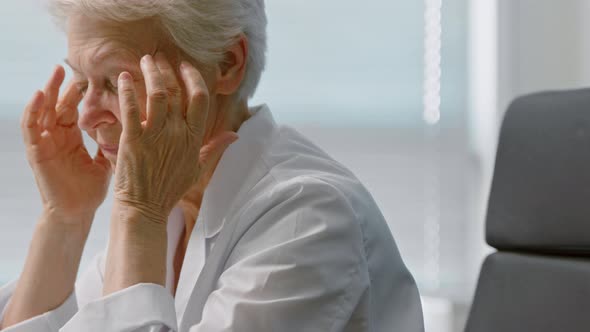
136 224
50 270
71 223
130 211
137 249
67 241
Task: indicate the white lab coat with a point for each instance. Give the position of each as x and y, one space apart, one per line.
287 239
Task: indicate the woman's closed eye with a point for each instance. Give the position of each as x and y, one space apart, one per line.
108 85
82 87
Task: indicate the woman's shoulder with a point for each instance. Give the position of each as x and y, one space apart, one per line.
300 179
308 198
293 159
293 163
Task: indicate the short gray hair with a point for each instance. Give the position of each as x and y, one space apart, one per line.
203 29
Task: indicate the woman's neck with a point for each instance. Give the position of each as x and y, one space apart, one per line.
228 118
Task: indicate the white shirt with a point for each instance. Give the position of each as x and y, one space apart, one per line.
287 239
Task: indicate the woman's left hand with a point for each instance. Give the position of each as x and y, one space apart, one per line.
162 157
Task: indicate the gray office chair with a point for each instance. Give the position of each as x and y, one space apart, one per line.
539 220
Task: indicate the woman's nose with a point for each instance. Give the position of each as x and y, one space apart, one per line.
96 110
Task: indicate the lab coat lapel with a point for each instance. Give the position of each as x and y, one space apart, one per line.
236 172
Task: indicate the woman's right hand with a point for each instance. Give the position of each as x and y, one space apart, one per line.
72 184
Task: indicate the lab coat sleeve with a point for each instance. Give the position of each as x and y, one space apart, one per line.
298 268
50 321
88 287
142 307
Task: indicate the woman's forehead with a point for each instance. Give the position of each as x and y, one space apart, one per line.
108 58
93 27
94 48
104 37
104 52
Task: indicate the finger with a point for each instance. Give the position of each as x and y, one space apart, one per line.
215 148
67 107
29 124
157 104
198 100
130 110
51 94
172 85
48 86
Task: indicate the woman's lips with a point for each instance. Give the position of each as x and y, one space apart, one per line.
109 149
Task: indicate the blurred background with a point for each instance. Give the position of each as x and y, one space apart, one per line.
409 94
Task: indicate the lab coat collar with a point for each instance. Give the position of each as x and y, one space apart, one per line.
233 171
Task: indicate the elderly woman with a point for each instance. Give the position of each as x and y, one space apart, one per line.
222 220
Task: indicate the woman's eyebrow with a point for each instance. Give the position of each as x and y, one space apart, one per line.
127 66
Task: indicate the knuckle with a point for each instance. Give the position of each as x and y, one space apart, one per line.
25 119
129 102
128 93
196 129
199 97
63 107
158 95
197 132
132 108
177 127
126 88
174 90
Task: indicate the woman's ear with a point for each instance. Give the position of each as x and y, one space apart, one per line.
231 71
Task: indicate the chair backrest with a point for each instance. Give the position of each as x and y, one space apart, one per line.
539 220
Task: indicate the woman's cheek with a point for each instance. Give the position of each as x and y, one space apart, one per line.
92 134
115 109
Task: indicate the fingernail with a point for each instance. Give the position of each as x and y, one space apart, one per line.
145 59
124 77
183 65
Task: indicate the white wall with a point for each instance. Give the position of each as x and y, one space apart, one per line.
30 46
543 44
